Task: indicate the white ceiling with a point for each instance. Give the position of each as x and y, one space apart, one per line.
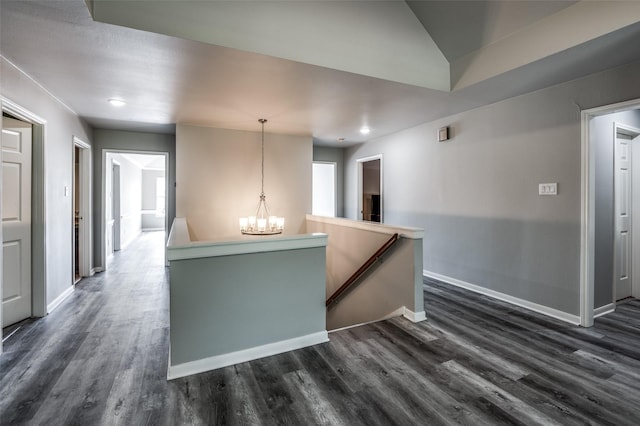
146 161
305 80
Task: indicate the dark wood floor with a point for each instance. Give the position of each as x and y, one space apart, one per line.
101 358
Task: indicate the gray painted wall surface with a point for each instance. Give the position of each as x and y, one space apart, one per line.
230 303
334 155
476 195
62 124
128 141
602 136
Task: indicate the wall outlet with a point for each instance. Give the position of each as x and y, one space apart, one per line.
548 189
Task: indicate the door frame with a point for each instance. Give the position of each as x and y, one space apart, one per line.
38 210
587 206
84 209
360 162
103 223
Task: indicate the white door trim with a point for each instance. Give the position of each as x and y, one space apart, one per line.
359 163
587 207
84 186
38 210
103 223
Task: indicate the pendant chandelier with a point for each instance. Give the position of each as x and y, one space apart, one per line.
262 222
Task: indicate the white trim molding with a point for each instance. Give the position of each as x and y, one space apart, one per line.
603 310
58 300
400 312
541 309
225 360
19 112
414 316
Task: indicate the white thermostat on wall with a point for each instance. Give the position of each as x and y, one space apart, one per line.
548 189
443 134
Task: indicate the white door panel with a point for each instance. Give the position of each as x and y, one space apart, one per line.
16 220
11 194
622 243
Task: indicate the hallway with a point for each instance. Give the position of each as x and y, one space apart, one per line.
105 346
101 359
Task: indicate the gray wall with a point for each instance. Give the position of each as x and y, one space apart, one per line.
334 155
62 124
128 141
603 139
476 195
225 304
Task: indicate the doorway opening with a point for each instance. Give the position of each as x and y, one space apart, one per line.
370 189
610 250
81 220
324 190
135 198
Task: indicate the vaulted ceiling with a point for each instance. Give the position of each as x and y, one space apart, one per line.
318 67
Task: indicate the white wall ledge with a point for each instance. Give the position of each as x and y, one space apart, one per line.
180 246
403 231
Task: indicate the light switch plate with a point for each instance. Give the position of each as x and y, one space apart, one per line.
548 189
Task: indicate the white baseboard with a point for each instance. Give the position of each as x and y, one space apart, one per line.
96 270
400 312
225 360
541 309
397 313
414 316
603 310
58 300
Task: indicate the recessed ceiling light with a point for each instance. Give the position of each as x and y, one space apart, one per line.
365 130
117 102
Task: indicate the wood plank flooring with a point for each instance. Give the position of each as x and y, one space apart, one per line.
101 359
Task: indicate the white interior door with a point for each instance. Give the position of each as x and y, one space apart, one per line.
622 217
16 220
